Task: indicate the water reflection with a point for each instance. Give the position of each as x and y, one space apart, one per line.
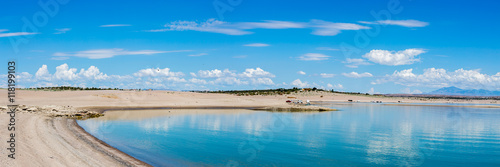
359 134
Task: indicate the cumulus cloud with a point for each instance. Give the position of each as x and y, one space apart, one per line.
299 83
337 86
371 91
404 23
301 72
393 58
216 73
313 57
257 72
92 73
355 63
43 73
198 81
229 81
156 78
257 45
437 78
262 81
63 72
319 27
408 91
108 53
356 75
226 77
157 72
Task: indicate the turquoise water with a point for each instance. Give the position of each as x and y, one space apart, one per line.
361 134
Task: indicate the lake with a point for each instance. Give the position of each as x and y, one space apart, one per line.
360 134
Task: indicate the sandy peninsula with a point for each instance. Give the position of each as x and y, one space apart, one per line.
45 139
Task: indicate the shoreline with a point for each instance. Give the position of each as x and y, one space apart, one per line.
48 128
118 155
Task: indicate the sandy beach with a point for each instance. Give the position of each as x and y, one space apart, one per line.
44 140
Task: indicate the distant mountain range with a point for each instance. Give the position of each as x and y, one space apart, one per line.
462 92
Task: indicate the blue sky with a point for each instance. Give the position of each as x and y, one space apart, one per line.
376 47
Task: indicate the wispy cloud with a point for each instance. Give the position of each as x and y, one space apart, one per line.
325 75
354 63
301 72
319 27
325 28
257 45
313 57
116 25
12 34
404 23
357 75
62 30
197 55
108 53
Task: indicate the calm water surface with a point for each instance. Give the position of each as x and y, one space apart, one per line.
361 134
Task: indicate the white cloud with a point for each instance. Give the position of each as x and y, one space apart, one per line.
262 81
198 81
256 76
404 23
354 63
408 91
43 73
319 27
299 83
371 91
301 72
229 81
313 57
92 73
256 73
324 28
337 86
24 77
356 75
197 55
394 58
116 25
108 53
216 73
12 34
62 30
325 75
257 45
157 72
156 78
437 78
211 25
63 72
